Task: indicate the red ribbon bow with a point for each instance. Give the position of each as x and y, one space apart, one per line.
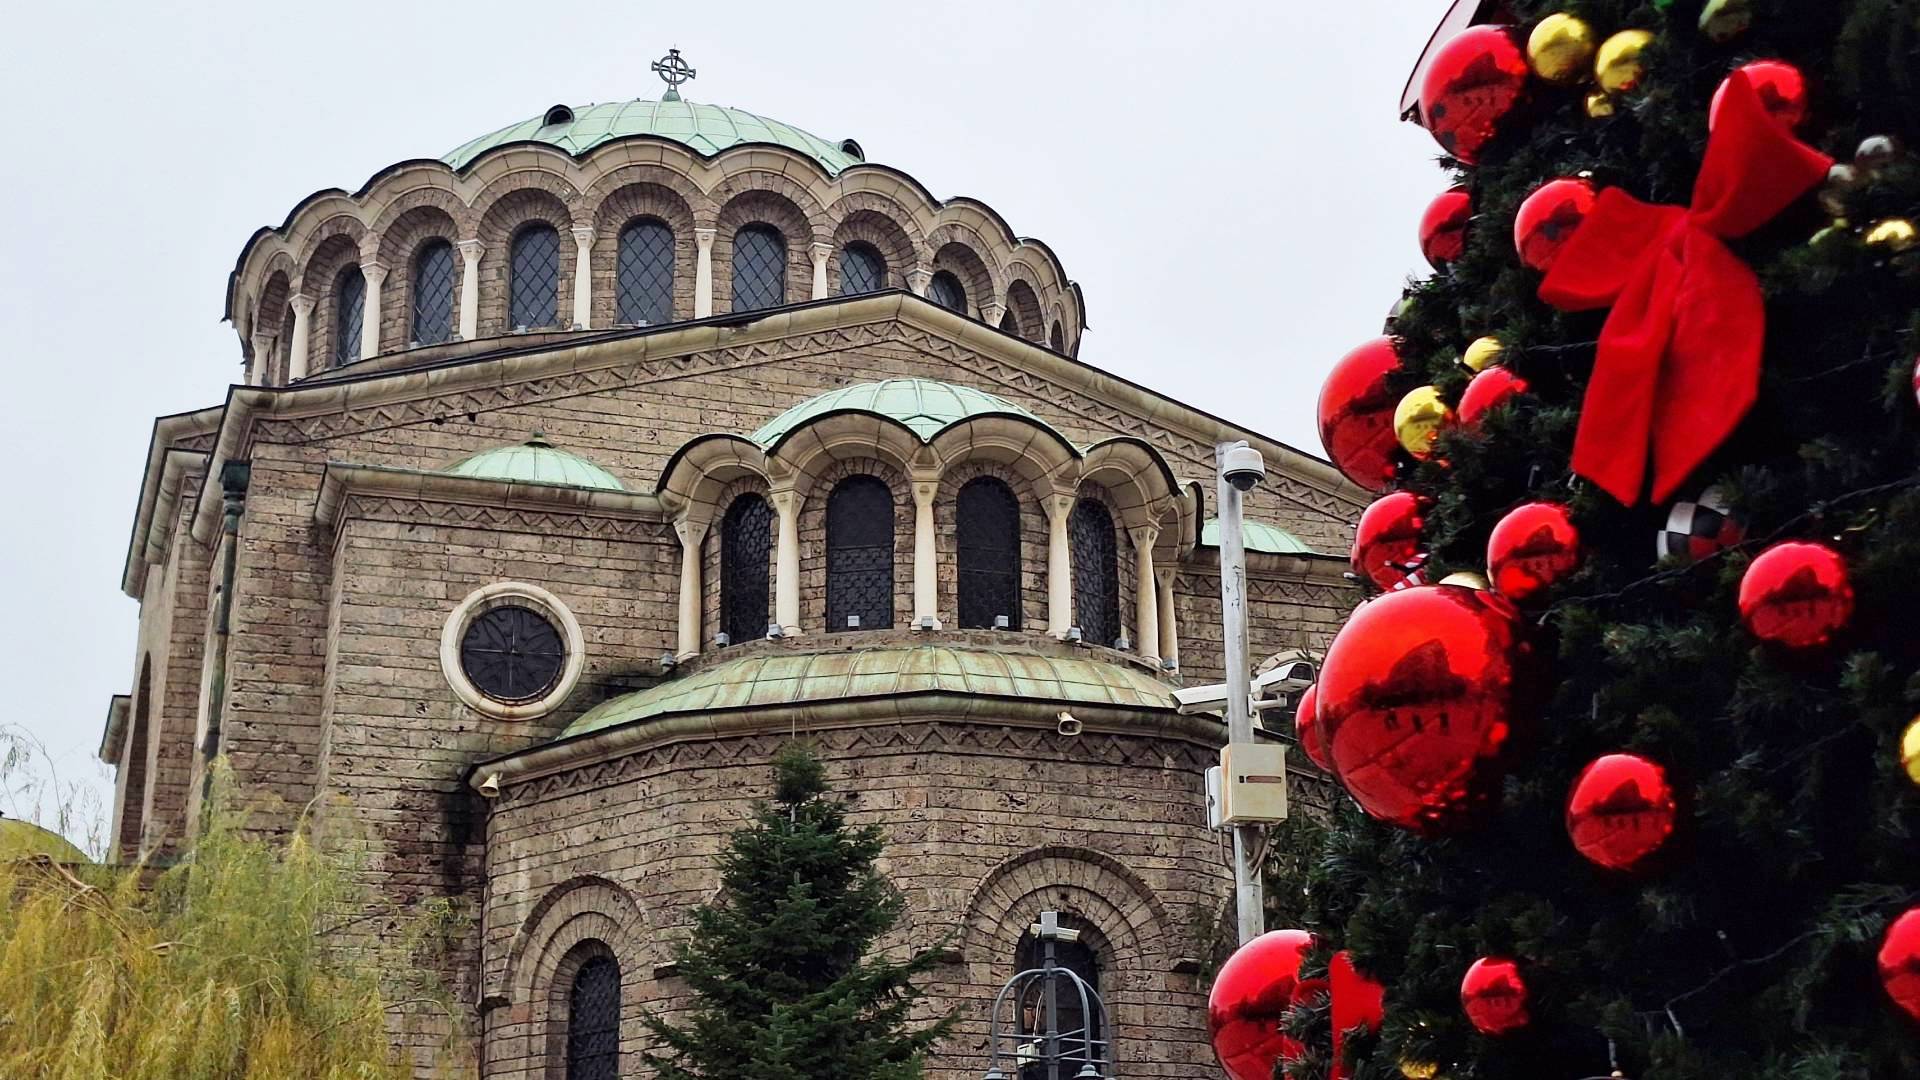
1679 358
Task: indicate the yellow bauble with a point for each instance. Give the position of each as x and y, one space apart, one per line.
1618 65
1418 419
1469 578
1910 751
1560 49
1482 354
1599 105
1895 233
1419 1070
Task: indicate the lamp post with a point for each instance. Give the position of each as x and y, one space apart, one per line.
1041 1050
1241 469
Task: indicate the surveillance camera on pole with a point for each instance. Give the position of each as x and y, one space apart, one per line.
1243 467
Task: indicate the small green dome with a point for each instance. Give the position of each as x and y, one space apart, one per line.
704 129
535 461
1259 537
926 407
24 840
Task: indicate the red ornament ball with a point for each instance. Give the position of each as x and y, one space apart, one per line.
1548 219
1387 542
1418 697
1356 414
1533 548
1443 228
1782 90
1797 595
1489 390
1900 962
1621 810
1358 1002
1494 996
1306 728
1475 83
1249 1003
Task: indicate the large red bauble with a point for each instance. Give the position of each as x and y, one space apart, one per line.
1489 390
1531 549
1443 228
1548 219
1620 811
1386 543
1356 414
1358 1002
1249 1003
1495 996
1475 83
1418 699
1782 90
1797 595
1306 728
1900 962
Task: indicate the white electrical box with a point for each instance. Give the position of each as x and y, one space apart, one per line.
1213 799
1253 783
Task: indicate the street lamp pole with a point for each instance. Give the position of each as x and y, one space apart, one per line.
1240 469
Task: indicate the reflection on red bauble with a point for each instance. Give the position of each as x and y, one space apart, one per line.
1534 547
1620 811
1249 1003
1356 414
1797 595
1443 228
1488 391
1306 728
1386 543
1418 699
1782 90
1475 83
1900 962
1495 996
1358 1002
1548 219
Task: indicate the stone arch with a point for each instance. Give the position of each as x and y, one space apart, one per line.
1033 538
512 212
1023 307
710 551
268 330
883 234
813 538
1125 566
323 273
400 245
624 205
403 204
576 920
964 261
764 206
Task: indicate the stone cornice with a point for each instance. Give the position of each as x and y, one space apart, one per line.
345 484
113 737
162 467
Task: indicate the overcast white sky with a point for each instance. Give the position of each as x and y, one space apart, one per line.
1227 181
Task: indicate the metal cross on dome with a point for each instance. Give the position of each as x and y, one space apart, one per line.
673 71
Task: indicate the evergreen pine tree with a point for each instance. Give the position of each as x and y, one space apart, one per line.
780 965
1749 951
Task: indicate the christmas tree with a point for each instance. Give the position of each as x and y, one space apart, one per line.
1626 719
780 966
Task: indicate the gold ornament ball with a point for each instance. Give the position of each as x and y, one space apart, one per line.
1419 1070
1724 20
1482 354
1599 105
1418 419
1896 234
1471 579
1910 751
1560 49
1618 64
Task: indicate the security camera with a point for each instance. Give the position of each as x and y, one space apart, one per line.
490 787
1288 677
1243 466
1192 700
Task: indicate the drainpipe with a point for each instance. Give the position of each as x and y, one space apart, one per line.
233 485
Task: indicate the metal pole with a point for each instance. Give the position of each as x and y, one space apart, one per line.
1053 1015
1249 897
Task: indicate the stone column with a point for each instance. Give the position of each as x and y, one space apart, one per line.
926 581
470 250
991 314
376 274
786 562
691 532
257 363
920 279
582 276
1059 565
703 273
1169 622
821 252
1146 592
302 331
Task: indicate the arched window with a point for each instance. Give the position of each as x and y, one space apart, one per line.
1057 340
1010 323
1096 572
1077 957
645 273
745 540
947 291
987 535
433 294
593 1021
287 323
349 312
759 268
860 555
533 277
862 270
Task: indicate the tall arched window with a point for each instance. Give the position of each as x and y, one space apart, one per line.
745 540
1010 323
645 273
1077 957
860 555
1057 339
947 291
349 311
987 535
862 270
432 294
759 268
1096 572
533 277
593 1021
287 323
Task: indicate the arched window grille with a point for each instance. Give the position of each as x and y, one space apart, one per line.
1057 340
645 273
349 313
860 555
432 294
745 540
1077 957
947 291
593 1021
1096 572
987 535
759 268
533 277
862 270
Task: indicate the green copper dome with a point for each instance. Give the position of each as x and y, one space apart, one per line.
1259 537
926 407
535 461
704 129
